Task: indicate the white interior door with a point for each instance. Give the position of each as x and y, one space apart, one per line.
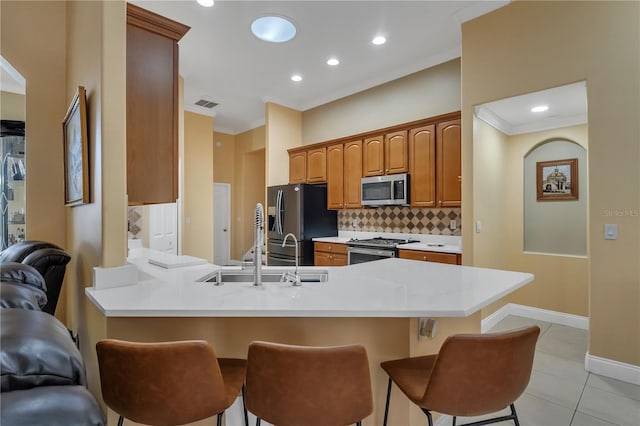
163 227
221 223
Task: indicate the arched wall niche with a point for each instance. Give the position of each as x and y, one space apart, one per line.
557 227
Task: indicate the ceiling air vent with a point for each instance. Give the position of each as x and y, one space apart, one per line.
205 103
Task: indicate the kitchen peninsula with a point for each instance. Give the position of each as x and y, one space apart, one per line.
377 304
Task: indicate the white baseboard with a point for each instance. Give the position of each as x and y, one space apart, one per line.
614 369
561 318
605 367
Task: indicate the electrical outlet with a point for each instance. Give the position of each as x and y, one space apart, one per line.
426 328
453 225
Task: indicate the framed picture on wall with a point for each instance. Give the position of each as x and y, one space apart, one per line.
557 180
76 158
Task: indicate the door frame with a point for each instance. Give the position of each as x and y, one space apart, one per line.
228 222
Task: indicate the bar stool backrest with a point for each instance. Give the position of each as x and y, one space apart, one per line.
168 383
476 374
312 386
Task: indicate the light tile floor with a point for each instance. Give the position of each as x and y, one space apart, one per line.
561 392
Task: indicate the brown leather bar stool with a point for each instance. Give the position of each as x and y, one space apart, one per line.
168 383
472 375
311 386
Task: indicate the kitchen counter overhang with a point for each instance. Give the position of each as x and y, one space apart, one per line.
391 288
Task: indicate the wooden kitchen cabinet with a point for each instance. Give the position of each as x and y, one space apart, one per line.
449 164
352 174
395 153
298 167
335 176
422 166
317 165
430 256
344 173
373 156
385 154
330 254
152 106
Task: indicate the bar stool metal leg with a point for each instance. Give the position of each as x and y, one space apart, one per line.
120 420
244 408
386 407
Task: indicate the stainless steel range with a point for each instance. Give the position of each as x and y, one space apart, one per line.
371 249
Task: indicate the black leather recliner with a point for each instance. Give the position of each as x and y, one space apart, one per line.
48 259
43 380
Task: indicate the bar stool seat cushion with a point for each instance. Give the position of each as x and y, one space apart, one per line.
411 374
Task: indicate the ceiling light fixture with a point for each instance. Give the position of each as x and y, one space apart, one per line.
379 40
274 29
333 62
205 3
296 78
540 108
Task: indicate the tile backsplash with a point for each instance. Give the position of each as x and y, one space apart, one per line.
136 222
407 220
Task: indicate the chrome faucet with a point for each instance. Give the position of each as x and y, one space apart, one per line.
258 242
294 278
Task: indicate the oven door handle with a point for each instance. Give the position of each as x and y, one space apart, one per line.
376 252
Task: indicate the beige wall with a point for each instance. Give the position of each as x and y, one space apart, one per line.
561 281
491 205
223 157
24 27
249 187
33 41
497 64
12 106
96 232
284 131
253 192
240 160
197 223
427 93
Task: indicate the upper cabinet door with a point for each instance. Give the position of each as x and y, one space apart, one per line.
395 153
152 106
449 164
317 165
373 156
422 166
335 176
352 174
298 167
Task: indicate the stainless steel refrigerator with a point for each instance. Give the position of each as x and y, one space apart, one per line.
301 210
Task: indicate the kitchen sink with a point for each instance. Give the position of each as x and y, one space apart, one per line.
269 275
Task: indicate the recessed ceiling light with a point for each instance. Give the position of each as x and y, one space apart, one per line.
296 77
379 40
333 62
274 29
539 108
205 3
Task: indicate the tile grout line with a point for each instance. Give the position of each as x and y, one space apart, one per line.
579 399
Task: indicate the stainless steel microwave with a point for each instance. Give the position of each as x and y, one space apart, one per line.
387 190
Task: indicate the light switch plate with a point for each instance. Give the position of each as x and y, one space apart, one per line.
610 231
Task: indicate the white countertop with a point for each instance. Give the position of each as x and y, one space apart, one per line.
386 288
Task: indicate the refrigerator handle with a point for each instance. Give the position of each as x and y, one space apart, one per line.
279 212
